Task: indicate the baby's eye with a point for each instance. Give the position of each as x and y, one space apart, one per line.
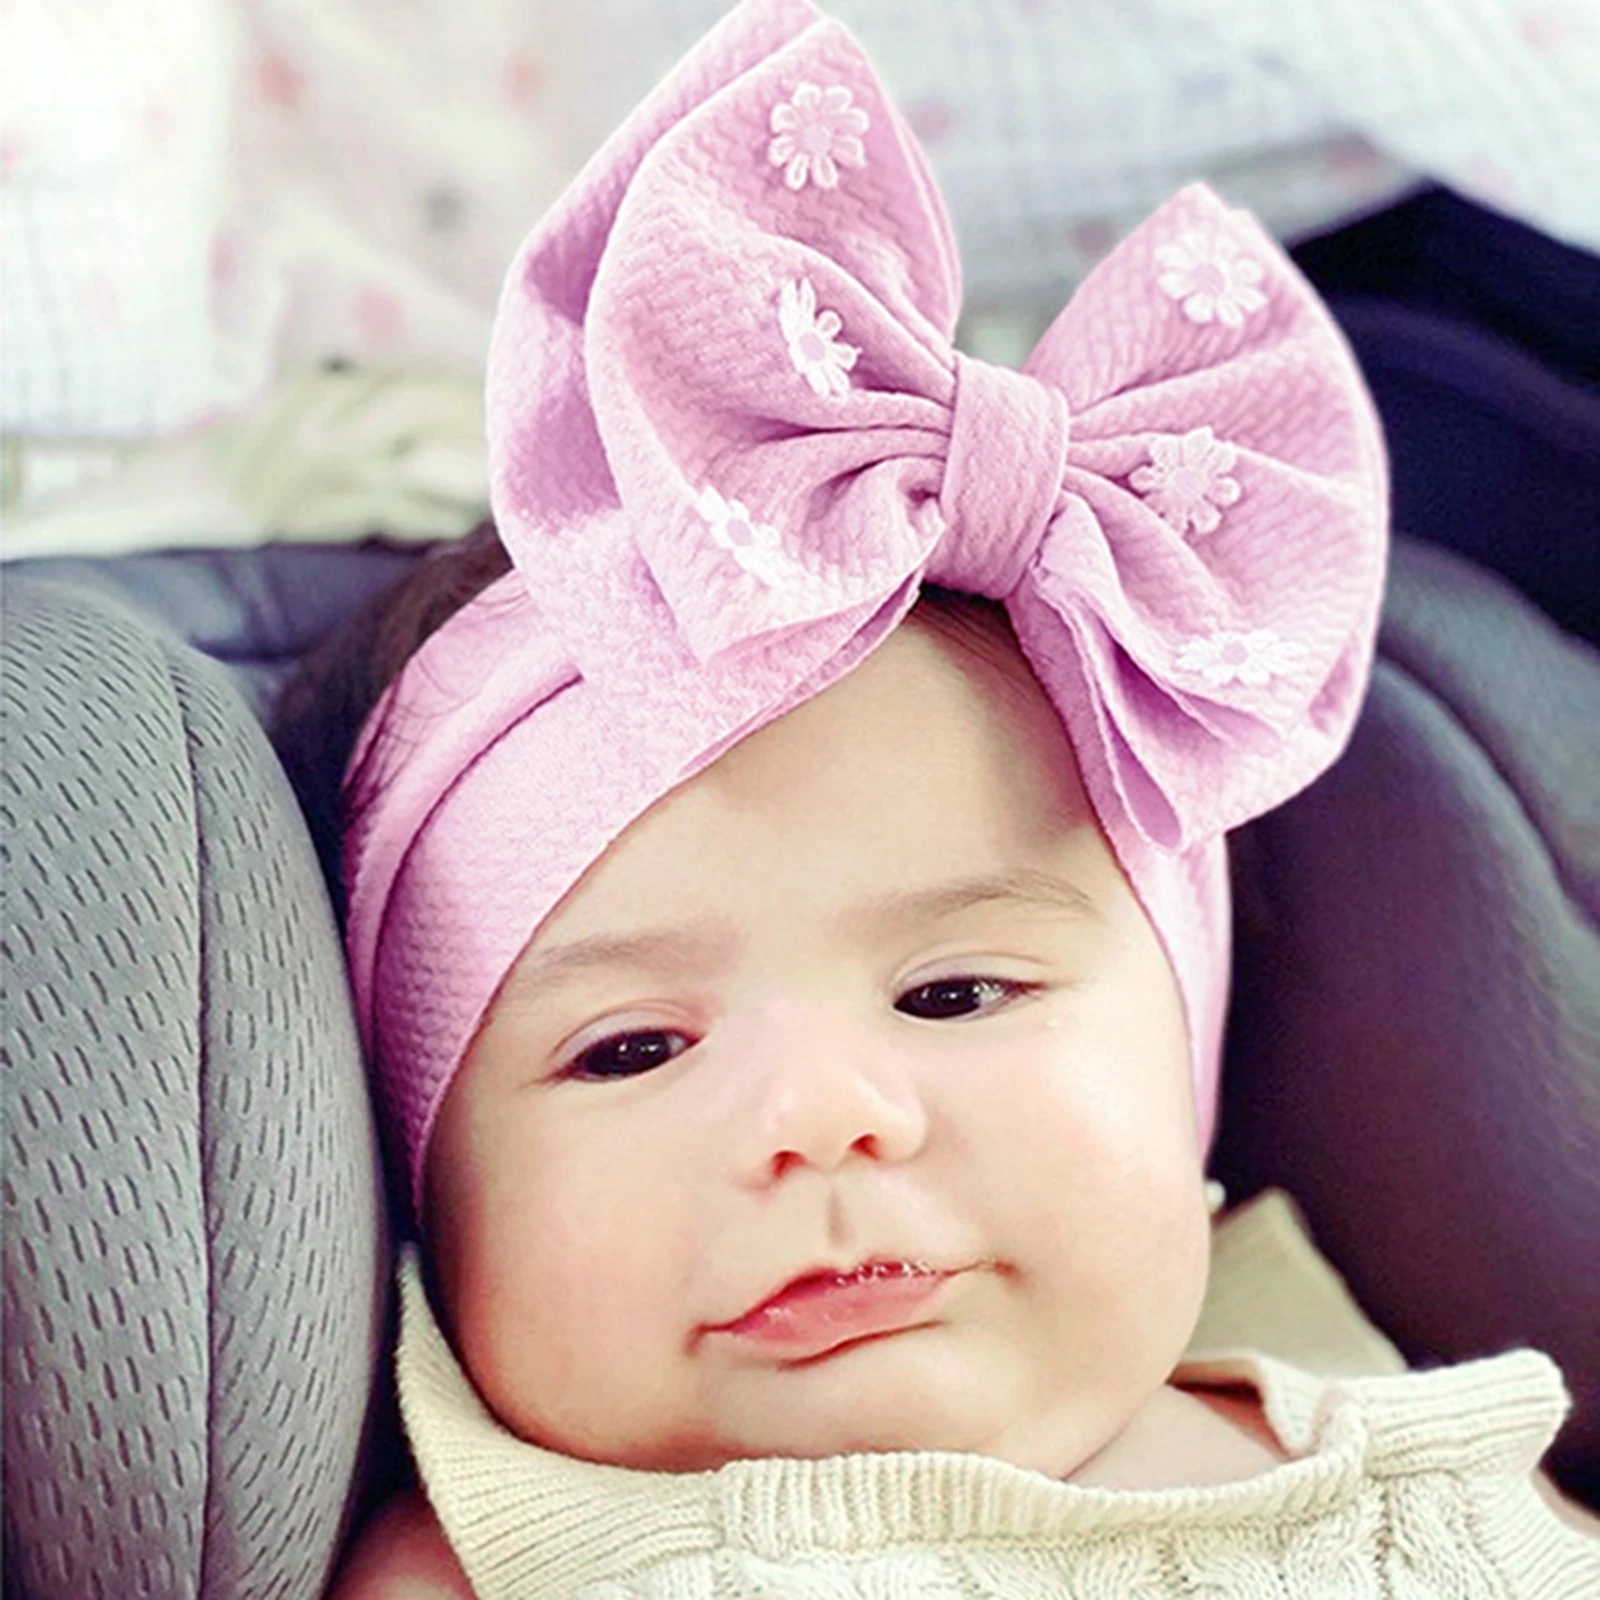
625 1055
948 998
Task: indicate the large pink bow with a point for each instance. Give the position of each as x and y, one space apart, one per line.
724 402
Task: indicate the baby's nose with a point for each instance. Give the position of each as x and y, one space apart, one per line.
825 1090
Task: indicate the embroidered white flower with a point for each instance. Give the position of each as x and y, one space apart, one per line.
1251 658
815 133
754 545
1186 482
813 347
1214 282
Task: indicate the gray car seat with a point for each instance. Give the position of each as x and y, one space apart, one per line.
196 1261
194 1240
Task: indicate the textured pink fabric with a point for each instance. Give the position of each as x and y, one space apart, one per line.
729 438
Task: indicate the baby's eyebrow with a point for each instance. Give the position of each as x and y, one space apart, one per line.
540 971
1023 886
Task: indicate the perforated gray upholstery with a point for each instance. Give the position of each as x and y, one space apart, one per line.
194 1254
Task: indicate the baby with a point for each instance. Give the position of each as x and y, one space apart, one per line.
788 909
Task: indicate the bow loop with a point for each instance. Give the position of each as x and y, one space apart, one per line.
1219 572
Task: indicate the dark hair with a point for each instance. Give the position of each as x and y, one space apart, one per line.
321 709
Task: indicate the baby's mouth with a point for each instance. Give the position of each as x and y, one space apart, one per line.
820 1312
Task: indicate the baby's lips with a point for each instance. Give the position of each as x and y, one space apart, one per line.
884 1271
820 1312
816 1278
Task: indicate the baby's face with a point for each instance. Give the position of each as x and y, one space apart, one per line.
844 1105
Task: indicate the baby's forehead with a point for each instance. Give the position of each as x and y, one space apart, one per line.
945 713
933 779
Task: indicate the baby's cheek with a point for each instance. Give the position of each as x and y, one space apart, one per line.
1106 1171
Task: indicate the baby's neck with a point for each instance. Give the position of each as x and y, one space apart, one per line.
1183 1439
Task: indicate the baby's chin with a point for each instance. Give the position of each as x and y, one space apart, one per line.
886 1397
1058 1446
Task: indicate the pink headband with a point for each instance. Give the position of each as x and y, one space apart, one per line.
729 439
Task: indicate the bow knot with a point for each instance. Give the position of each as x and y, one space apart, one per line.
1002 477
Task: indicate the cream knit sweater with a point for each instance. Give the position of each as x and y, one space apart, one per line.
1400 1487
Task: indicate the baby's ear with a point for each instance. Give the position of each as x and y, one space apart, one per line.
402 1554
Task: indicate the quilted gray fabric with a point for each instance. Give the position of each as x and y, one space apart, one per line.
1415 1040
194 1253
